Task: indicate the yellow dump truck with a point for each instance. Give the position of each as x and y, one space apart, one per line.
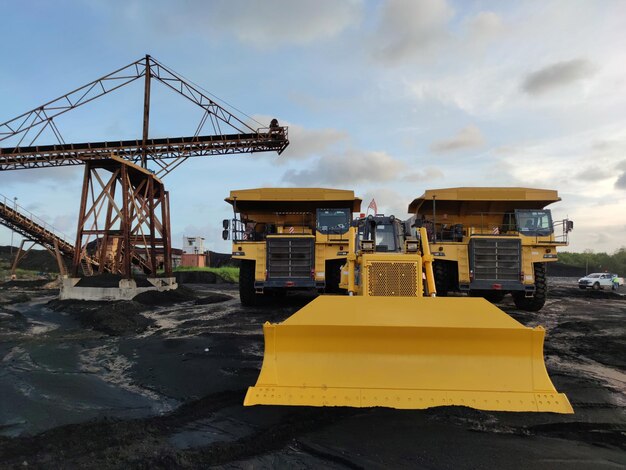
387 344
289 238
491 241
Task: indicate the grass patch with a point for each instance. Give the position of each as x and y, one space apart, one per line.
5 272
228 273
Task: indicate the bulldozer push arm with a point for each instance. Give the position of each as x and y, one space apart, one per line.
407 352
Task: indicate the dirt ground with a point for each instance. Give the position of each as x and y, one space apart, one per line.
162 386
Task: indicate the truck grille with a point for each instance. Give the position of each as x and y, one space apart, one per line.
495 259
290 257
392 279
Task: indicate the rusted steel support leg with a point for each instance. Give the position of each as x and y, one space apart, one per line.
126 223
108 223
18 257
59 258
167 242
78 246
152 215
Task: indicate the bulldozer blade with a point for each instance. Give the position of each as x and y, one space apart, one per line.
407 353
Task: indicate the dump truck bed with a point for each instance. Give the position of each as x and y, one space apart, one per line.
467 200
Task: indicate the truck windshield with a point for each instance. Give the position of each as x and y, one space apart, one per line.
331 221
533 222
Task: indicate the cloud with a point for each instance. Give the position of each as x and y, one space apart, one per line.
593 173
407 26
466 138
388 201
484 26
58 176
621 181
305 143
557 75
352 167
269 24
65 223
427 174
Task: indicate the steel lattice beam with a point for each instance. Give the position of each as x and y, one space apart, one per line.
231 135
157 149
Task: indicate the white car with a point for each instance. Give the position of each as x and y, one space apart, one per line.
598 281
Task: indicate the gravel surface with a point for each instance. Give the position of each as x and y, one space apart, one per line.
169 394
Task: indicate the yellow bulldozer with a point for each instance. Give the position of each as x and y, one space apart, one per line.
391 342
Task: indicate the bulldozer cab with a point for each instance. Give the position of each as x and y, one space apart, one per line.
386 232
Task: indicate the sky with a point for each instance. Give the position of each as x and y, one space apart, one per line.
387 98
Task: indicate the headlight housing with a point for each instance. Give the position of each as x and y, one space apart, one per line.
367 245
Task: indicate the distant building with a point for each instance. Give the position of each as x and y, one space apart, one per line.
193 252
193 245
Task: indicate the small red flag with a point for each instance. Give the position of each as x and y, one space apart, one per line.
373 207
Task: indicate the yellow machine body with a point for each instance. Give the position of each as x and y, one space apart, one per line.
291 213
478 244
405 352
391 346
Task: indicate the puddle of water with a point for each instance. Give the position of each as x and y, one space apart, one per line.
168 322
600 373
106 363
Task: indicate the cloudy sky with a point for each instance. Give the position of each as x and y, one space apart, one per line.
388 98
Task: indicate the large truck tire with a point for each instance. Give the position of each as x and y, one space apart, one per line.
538 300
441 278
333 276
247 293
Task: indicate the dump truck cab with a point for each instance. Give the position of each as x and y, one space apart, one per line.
289 238
490 241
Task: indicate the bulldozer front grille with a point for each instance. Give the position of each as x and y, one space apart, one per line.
290 257
495 259
392 279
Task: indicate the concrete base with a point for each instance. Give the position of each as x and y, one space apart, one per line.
126 290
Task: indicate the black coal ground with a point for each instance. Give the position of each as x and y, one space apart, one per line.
170 394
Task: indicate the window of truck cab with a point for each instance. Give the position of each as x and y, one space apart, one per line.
534 222
333 221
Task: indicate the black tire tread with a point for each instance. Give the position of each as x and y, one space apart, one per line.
247 294
441 282
538 300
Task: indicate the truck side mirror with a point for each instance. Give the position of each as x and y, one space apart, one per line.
569 225
225 234
225 224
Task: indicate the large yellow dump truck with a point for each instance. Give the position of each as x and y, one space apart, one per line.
389 345
491 241
289 238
